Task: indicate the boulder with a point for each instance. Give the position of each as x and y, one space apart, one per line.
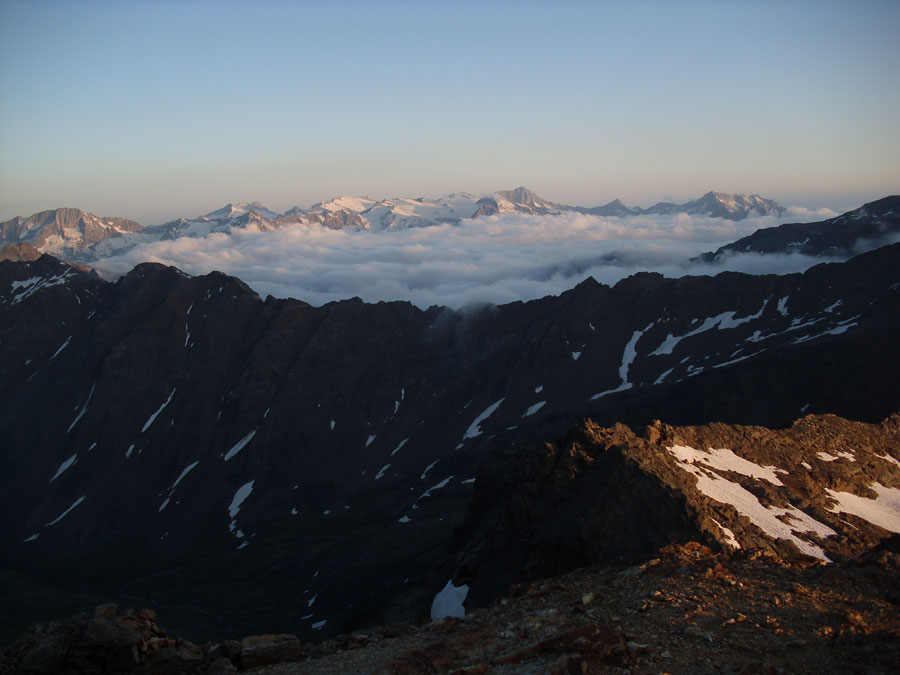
264 650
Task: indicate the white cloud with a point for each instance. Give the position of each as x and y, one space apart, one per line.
495 259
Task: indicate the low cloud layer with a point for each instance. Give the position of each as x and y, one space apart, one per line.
497 259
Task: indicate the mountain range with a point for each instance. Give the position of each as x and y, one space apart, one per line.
81 237
249 465
865 228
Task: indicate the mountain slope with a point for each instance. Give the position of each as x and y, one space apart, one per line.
59 229
865 228
167 436
82 237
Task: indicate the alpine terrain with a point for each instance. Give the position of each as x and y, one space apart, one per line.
81 237
256 466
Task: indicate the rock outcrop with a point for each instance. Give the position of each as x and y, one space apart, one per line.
823 489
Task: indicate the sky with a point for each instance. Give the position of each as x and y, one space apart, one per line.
156 110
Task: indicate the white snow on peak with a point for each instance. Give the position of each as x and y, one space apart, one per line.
65 465
538 389
237 447
66 512
242 493
345 203
332 425
381 472
533 409
369 440
883 511
402 443
404 519
475 428
575 355
154 415
449 602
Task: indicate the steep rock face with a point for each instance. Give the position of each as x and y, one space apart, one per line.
20 252
59 229
824 488
170 437
864 228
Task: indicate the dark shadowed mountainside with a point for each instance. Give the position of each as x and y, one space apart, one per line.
250 465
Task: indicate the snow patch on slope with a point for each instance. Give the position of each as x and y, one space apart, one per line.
883 511
66 512
237 447
475 428
65 465
628 356
156 414
769 520
449 602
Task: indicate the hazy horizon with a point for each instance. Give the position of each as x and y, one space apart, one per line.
153 111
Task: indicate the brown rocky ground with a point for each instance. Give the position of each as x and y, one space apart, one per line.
688 609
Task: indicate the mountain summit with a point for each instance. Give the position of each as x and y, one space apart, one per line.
57 230
82 237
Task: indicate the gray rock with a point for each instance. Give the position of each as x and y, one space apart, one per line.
264 650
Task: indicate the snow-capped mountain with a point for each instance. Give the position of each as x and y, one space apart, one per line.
869 226
715 204
61 230
84 238
230 211
170 437
720 205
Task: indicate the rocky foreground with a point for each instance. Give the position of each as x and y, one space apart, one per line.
686 609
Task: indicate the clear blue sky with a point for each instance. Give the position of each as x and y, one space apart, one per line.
152 110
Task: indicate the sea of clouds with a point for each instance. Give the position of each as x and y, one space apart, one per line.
495 259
